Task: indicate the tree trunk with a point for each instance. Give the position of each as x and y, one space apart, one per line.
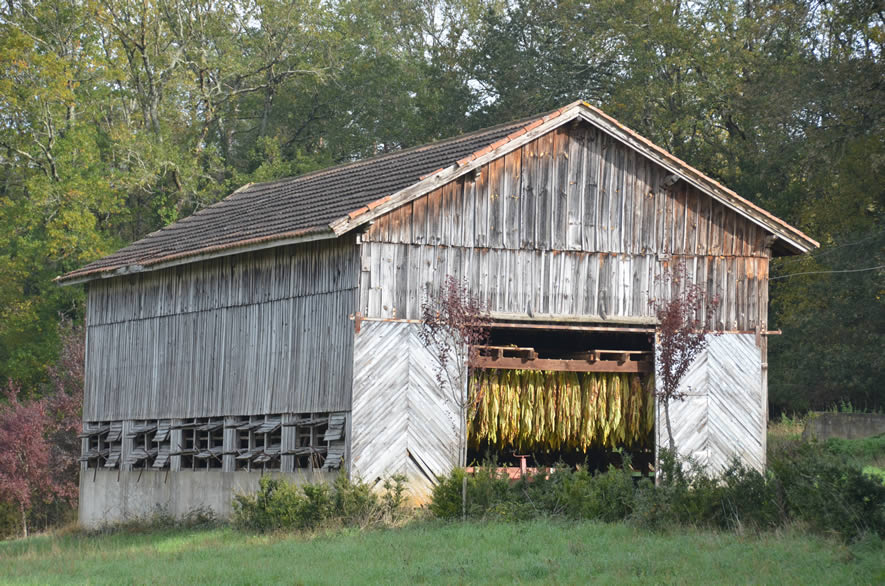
669 428
462 440
24 521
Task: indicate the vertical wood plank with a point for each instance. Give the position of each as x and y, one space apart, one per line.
574 188
559 191
543 222
482 207
511 191
528 195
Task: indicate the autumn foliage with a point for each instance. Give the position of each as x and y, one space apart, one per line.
685 319
453 323
38 437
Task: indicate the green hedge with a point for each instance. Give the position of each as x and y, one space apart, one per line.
805 483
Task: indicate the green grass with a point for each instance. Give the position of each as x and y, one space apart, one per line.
425 552
875 472
866 451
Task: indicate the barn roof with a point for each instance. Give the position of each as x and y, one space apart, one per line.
334 201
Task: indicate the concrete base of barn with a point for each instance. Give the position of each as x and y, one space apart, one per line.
111 496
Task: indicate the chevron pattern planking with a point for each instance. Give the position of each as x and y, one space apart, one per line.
736 401
379 412
688 417
402 423
723 414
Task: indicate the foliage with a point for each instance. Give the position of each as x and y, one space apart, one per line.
740 498
280 505
804 484
454 322
831 316
158 520
605 496
820 488
39 447
869 450
685 317
25 456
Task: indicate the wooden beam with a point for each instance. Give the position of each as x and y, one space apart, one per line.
562 365
510 351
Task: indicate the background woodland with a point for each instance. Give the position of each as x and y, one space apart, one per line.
118 117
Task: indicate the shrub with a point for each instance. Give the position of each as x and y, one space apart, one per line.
828 492
282 505
581 495
278 504
738 498
394 496
607 496
354 501
159 519
445 501
487 490
805 483
860 451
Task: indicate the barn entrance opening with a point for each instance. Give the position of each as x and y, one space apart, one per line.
542 395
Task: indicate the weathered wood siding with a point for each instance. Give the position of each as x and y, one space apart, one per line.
402 423
260 333
723 415
573 224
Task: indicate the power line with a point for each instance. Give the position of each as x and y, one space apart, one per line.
829 249
827 272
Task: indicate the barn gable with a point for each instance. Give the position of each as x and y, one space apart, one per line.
792 240
556 226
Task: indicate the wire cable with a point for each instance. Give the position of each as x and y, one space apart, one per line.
827 272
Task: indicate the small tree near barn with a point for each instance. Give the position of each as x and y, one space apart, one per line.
39 447
453 323
685 319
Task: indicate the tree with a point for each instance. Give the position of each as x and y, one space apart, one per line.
24 453
685 320
39 447
453 323
64 409
535 55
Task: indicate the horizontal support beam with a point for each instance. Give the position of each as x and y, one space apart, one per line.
573 328
509 363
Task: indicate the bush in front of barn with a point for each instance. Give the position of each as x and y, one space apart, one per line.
804 485
822 488
607 496
739 498
281 505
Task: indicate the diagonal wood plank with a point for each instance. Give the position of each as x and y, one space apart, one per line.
402 423
722 416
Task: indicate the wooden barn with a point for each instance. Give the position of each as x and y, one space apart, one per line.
277 331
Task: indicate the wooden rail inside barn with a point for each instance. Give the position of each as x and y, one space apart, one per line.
511 357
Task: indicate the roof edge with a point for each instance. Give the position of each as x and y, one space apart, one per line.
800 241
794 238
428 183
201 254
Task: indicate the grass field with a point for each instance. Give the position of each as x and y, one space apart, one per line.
424 552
